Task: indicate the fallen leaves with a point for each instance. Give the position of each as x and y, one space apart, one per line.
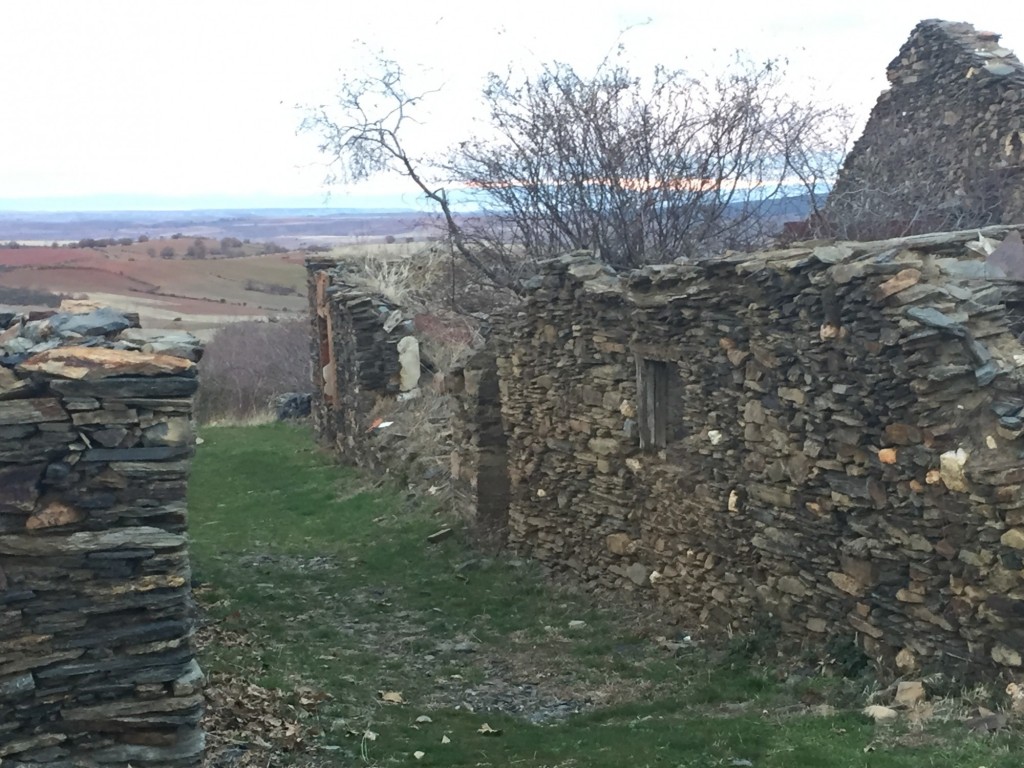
252 720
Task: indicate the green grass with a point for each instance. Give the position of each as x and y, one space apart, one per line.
316 579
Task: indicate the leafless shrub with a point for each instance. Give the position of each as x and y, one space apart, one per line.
258 286
29 297
447 339
637 169
247 364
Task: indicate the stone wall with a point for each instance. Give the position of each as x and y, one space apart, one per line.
381 406
479 469
944 146
358 345
96 617
827 436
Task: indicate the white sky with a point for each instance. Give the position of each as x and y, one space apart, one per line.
196 97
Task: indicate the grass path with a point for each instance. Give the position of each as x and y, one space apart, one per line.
324 601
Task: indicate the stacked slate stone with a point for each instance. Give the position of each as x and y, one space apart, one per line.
479 468
944 146
96 660
833 443
356 359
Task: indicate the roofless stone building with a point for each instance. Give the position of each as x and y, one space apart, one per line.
827 438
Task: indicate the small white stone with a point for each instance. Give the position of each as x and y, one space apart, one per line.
990 442
734 501
409 359
951 468
715 436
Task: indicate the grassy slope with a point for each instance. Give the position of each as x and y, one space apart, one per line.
332 586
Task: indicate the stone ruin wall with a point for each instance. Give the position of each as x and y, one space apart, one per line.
357 346
357 342
944 146
842 449
479 457
96 616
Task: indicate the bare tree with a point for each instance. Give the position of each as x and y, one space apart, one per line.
645 170
364 140
639 170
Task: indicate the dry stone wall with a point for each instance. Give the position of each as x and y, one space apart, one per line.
96 618
357 339
381 406
944 146
828 436
479 458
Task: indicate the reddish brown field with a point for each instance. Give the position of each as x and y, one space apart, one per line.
202 293
40 257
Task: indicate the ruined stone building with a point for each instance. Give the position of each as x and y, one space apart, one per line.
943 148
827 439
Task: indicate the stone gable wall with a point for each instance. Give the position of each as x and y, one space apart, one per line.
96 617
944 145
843 454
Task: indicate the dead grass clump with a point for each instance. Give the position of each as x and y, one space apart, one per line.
404 281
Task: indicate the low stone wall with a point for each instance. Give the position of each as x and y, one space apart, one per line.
96 617
827 437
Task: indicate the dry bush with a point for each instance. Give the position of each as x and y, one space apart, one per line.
247 364
404 281
446 339
29 297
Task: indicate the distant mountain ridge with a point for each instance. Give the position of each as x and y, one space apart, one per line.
290 224
254 224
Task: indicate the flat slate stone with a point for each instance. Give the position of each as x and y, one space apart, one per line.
129 387
153 453
99 322
34 410
97 363
935 319
140 537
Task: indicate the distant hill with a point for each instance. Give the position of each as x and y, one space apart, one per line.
278 224
288 226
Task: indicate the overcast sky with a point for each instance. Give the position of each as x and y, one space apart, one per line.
195 98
